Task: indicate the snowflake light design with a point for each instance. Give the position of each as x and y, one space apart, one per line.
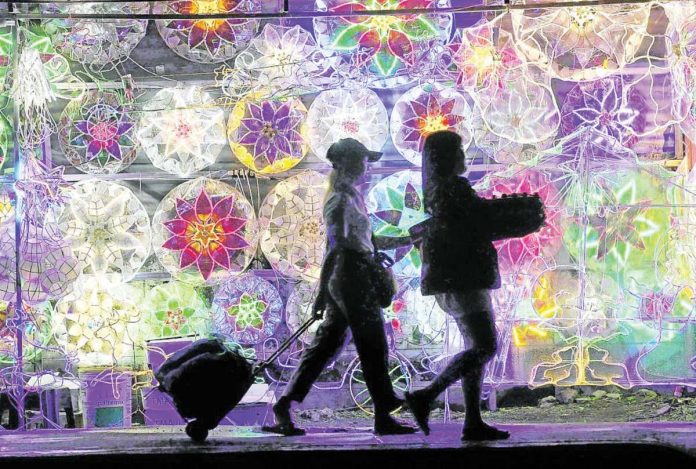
347 113
298 309
293 234
204 230
602 105
423 110
97 133
580 43
181 130
385 48
209 40
247 309
99 43
283 59
175 309
268 136
395 204
97 327
107 228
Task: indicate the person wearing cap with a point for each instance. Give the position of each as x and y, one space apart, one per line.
347 296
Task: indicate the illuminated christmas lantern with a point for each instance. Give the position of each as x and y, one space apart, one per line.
97 327
395 204
293 234
423 110
268 136
99 43
247 309
385 48
204 230
181 130
107 228
175 309
298 309
209 40
36 327
97 133
347 113
580 43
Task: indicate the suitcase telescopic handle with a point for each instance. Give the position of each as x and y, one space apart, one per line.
284 346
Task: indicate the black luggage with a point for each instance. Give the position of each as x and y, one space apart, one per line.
207 380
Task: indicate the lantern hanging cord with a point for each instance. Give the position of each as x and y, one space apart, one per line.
311 14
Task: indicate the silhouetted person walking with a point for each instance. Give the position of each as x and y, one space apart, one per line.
460 266
348 296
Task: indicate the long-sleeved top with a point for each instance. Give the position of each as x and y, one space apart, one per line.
457 251
347 222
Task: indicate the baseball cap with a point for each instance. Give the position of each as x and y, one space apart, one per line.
350 148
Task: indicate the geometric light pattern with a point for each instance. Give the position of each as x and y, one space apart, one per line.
247 309
423 110
181 131
293 234
204 231
107 228
97 133
347 113
175 309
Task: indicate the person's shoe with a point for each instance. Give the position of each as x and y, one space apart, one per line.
483 432
420 408
390 426
284 424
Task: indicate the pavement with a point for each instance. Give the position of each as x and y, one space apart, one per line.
656 445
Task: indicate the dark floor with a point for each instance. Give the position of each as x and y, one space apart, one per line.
655 445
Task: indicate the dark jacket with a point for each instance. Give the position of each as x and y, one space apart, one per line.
456 248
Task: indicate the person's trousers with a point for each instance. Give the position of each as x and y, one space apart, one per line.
351 304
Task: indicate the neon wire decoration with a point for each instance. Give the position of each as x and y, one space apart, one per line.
268 136
107 228
293 234
181 130
101 44
247 309
347 113
423 110
580 43
204 230
386 49
97 133
209 40
395 204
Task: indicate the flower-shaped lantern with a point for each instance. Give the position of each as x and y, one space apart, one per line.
97 133
204 230
175 309
247 309
268 136
423 110
293 237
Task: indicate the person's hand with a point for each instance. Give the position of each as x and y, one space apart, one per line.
319 307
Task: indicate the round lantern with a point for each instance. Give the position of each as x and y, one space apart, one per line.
97 133
175 309
347 113
293 235
247 309
181 130
204 230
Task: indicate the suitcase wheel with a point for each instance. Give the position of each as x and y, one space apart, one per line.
196 431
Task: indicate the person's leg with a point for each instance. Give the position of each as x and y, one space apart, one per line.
329 338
